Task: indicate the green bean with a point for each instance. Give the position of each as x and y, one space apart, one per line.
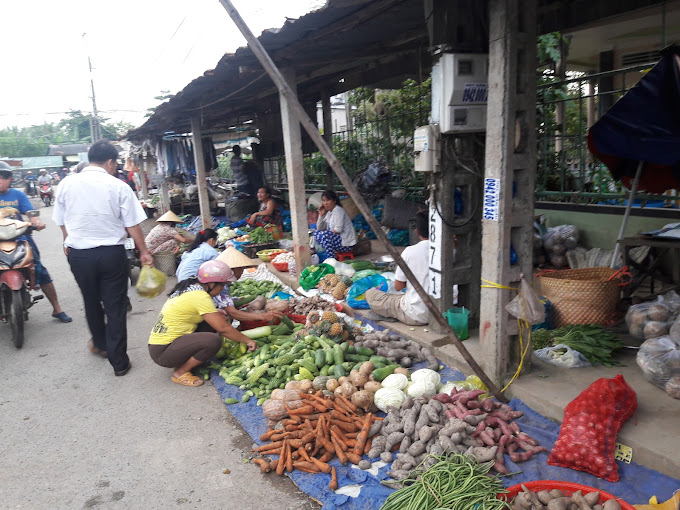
455 482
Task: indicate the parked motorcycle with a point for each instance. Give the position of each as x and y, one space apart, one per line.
132 254
17 272
46 194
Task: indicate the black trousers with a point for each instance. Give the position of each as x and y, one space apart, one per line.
102 274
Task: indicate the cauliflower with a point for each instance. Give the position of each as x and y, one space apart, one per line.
385 398
425 374
396 381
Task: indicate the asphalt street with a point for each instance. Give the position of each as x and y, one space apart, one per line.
72 435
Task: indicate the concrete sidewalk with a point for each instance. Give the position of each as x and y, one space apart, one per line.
72 435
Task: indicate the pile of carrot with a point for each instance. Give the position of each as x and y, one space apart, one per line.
314 434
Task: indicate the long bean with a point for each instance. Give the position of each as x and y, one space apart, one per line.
455 482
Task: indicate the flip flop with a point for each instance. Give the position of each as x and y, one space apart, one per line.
62 317
187 379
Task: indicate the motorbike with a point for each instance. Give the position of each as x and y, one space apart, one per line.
46 194
31 189
17 272
132 254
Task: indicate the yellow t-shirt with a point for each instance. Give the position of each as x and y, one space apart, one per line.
180 316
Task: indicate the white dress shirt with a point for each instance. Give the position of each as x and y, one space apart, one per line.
95 208
416 257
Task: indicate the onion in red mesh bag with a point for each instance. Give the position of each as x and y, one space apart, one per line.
591 423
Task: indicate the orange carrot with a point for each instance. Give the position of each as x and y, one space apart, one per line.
308 467
294 443
353 457
367 448
289 459
282 460
352 435
348 404
270 446
346 427
339 433
303 453
351 443
339 452
300 410
338 416
273 464
327 456
326 444
334 480
323 467
264 465
363 435
267 435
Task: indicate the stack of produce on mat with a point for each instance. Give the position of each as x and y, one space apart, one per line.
549 497
261 304
329 324
595 343
652 320
245 291
336 285
285 257
260 236
224 234
452 481
306 305
397 349
317 430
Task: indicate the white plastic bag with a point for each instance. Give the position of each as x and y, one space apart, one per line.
341 268
562 356
526 306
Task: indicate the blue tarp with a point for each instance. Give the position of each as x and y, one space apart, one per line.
636 486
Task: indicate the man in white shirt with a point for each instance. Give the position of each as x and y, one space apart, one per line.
96 212
407 307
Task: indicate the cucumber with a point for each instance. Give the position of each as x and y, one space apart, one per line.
344 346
351 349
320 358
324 370
380 359
380 373
229 401
355 357
330 360
339 371
364 351
338 355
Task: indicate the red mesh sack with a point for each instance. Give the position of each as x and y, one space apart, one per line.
591 423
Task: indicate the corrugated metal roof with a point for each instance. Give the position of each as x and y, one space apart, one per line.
41 162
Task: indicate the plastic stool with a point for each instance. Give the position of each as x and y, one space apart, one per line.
345 255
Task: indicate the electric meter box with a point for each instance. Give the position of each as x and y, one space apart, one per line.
426 148
464 92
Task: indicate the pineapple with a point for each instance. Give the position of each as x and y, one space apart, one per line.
329 317
346 280
340 291
336 329
345 335
313 317
325 326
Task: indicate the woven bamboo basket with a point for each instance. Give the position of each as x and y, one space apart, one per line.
165 262
582 296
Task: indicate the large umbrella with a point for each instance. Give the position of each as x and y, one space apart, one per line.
638 139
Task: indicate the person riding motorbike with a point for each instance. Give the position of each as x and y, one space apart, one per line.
18 200
44 177
29 181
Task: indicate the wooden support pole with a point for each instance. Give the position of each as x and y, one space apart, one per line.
313 131
327 114
142 178
292 143
199 161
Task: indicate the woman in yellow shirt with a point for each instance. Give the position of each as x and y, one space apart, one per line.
174 341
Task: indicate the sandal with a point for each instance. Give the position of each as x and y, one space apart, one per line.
187 379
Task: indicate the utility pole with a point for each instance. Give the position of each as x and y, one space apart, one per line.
95 128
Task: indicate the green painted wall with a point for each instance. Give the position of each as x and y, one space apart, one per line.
599 230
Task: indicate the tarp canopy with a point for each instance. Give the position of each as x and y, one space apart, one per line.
644 125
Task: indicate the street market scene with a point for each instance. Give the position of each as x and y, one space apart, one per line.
390 254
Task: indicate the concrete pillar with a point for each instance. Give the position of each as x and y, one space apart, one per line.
292 143
510 175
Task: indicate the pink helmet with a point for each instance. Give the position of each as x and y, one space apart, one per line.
215 271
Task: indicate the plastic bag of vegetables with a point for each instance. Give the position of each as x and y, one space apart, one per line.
151 282
356 297
562 356
659 360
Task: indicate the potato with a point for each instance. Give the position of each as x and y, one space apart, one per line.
358 379
402 370
347 389
658 312
332 384
655 329
367 367
372 386
362 399
675 332
342 379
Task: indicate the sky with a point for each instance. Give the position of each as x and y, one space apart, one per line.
137 48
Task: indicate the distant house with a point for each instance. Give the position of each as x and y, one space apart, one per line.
72 153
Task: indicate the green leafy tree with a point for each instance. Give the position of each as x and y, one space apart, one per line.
162 97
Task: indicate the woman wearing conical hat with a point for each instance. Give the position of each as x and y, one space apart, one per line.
164 237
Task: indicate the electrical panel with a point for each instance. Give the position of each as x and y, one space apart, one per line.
426 148
464 90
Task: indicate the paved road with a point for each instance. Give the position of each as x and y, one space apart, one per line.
72 435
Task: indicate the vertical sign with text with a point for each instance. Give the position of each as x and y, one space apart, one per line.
435 255
492 193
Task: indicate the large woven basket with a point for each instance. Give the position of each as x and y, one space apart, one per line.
165 262
582 296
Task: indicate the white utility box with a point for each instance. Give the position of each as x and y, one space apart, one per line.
464 92
426 148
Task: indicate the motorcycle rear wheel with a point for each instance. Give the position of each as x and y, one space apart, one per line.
16 318
47 201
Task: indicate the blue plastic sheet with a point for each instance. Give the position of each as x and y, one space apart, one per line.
636 486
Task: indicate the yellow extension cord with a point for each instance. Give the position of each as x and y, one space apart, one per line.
521 325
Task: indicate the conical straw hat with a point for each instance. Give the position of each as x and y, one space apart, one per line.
170 216
234 258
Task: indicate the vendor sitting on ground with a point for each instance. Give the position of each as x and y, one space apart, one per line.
187 332
163 237
202 250
334 230
269 212
408 307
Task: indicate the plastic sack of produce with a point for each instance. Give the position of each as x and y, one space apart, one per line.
591 423
649 320
526 305
557 241
341 268
659 360
363 274
562 356
151 282
356 298
311 275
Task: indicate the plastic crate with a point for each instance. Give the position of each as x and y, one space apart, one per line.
568 488
250 250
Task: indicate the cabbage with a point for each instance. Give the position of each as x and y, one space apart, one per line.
385 398
448 387
425 374
422 388
396 381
